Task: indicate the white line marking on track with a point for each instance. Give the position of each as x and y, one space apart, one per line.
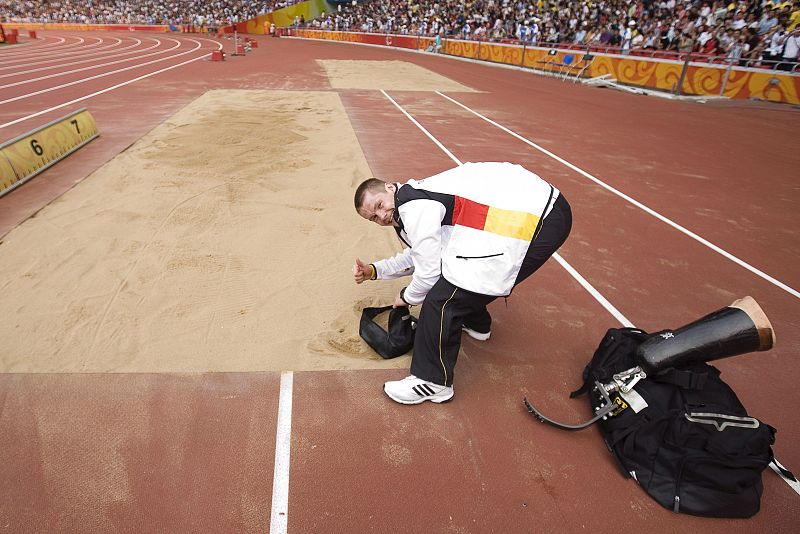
83 80
418 125
87 57
571 270
27 55
35 46
593 292
279 518
90 67
636 203
71 50
794 484
117 86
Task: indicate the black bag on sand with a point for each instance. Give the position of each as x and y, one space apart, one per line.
400 337
693 448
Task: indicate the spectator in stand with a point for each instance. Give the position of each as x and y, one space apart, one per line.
791 47
627 37
768 21
794 17
738 48
686 41
774 50
703 37
580 35
725 37
638 40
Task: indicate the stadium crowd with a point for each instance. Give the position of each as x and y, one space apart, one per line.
744 30
177 12
755 30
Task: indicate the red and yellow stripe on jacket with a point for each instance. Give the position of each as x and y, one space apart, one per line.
507 223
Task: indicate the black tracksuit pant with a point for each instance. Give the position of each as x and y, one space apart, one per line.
447 307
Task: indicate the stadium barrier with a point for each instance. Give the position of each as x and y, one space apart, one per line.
29 154
699 79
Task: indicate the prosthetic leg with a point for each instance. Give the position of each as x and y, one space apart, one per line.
737 329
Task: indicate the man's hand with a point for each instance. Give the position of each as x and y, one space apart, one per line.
361 271
399 302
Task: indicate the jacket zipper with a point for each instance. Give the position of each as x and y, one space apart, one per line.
478 257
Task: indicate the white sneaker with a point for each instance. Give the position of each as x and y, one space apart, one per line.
474 334
413 390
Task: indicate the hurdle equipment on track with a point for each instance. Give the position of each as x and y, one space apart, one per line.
26 156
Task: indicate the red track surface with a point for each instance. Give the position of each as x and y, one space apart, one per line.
726 172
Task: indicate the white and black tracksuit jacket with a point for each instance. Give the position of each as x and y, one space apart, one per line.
478 211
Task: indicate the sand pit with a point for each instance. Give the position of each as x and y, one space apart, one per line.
223 240
394 75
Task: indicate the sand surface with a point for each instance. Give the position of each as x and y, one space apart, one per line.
389 75
223 240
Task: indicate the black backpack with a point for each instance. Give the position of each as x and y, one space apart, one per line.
693 448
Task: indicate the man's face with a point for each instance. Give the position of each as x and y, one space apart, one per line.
379 207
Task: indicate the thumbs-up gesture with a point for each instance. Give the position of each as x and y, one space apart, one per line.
361 271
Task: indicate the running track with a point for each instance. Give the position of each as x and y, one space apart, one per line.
679 209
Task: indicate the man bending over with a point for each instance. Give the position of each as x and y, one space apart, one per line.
472 234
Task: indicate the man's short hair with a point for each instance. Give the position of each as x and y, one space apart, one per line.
373 185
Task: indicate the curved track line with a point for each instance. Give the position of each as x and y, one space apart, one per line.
68 48
638 204
13 52
117 86
134 45
84 80
45 58
79 44
90 67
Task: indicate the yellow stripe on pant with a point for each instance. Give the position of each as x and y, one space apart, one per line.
26 156
441 329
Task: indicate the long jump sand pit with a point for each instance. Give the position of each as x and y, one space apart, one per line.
395 75
223 240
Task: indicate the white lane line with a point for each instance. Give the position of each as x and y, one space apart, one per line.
418 125
636 203
58 63
279 518
35 47
90 67
604 302
63 51
28 60
83 80
117 86
571 270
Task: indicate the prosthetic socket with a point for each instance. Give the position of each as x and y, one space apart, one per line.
737 329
